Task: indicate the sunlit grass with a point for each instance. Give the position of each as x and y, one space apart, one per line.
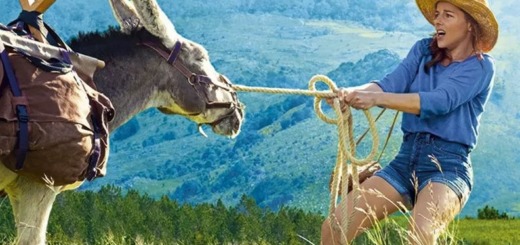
489 231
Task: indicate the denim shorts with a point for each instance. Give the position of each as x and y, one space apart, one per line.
425 158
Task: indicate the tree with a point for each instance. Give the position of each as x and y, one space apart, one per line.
489 212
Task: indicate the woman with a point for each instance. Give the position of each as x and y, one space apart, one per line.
442 87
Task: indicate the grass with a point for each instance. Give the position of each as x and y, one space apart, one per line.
489 231
460 232
392 231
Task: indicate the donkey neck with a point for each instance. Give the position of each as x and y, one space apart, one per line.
130 75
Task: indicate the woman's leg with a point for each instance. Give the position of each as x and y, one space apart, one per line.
436 206
378 198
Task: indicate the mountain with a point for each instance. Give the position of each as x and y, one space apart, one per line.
285 154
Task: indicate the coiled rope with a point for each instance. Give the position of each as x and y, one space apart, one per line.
344 122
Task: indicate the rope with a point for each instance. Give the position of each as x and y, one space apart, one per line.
346 149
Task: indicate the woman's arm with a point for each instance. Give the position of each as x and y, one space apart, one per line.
396 84
370 94
408 103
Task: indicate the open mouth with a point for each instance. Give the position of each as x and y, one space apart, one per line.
441 33
229 125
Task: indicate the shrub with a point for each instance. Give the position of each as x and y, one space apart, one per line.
489 212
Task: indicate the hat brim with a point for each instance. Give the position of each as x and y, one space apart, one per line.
479 11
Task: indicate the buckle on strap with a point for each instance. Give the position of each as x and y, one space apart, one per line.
22 113
20 104
23 135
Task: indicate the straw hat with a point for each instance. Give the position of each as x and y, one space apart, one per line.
478 9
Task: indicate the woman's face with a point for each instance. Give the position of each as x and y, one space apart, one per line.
452 28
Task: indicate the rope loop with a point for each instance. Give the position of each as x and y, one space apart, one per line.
344 122
317 99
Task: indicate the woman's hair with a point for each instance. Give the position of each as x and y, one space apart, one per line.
439 54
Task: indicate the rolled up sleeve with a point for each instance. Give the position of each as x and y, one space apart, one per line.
461 86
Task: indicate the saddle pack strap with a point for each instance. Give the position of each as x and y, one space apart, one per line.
20 104
35 20
51 65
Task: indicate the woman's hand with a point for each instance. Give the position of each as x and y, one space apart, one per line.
360 99
357 98
342 94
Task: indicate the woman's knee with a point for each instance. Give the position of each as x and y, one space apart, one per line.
435 208
325 228
423 231
329 235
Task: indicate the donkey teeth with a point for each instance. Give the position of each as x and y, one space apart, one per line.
201 131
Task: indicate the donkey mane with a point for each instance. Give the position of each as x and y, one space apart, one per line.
111 42
126 60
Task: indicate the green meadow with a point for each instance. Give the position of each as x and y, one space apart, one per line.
113 216
489 231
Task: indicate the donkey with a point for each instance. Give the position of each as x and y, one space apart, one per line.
139 74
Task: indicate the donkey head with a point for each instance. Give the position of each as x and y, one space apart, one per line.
194 88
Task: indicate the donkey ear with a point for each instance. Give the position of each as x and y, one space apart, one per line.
156 22
125 14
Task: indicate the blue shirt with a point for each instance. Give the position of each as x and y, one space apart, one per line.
452 97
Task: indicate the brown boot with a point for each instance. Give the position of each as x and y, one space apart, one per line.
364 172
